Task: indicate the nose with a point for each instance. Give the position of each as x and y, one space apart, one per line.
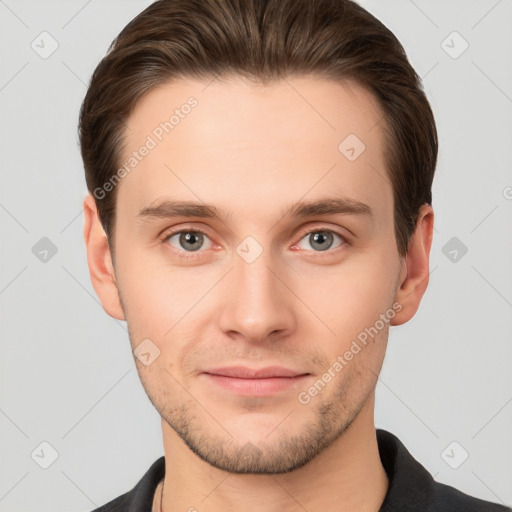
257 305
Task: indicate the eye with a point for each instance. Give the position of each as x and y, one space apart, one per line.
321 240
187 240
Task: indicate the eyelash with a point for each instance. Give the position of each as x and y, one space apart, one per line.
196 254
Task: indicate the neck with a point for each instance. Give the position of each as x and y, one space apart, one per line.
348 476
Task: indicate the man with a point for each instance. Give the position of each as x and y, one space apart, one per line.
260 213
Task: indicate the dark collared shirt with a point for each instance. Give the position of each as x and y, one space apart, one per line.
411 487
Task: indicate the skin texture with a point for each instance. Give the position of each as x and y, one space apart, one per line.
252 151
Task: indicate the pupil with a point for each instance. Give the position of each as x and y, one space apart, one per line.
192 238
319 238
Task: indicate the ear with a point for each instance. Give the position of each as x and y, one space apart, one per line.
415 270
99 260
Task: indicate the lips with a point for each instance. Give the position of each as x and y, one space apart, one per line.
261 382
242 372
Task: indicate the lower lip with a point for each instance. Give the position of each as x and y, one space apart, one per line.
255 387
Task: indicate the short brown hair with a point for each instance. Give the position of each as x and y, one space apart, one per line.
262 40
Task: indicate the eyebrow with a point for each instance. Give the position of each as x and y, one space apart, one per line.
326 206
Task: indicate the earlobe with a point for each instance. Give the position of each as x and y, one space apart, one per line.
415 272
99 260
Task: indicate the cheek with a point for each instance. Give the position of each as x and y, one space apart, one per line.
160 299
146 291
351 296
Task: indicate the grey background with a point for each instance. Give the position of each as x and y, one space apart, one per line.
67 375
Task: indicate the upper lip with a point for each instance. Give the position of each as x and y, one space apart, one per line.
242 372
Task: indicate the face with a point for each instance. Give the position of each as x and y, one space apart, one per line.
255 298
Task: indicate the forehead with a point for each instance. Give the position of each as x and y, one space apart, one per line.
235 143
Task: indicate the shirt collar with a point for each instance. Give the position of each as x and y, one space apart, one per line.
410 484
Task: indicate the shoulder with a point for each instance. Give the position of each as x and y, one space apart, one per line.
412 487
140 498
446 497
119 504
